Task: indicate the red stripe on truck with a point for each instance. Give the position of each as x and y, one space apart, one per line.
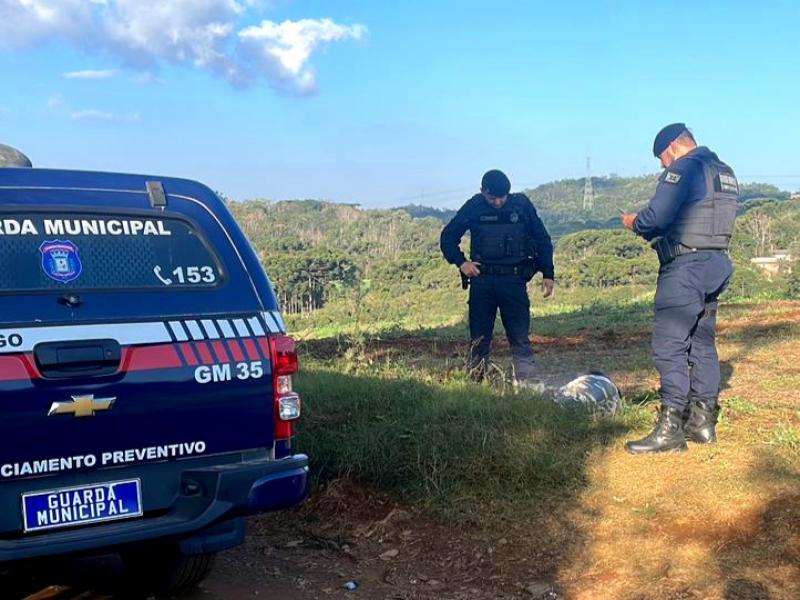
205 354
236 350
14 368
147 358
219 350
252 351
263 343
188 354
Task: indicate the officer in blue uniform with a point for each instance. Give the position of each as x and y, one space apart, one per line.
509 243
689 222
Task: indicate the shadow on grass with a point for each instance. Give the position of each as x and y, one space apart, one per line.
764 562
453 448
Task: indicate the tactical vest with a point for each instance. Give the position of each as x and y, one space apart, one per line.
499 236
707 224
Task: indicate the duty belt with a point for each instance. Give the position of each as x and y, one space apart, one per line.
680 250
668 251
503 270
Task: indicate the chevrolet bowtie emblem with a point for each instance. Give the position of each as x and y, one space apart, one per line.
81 406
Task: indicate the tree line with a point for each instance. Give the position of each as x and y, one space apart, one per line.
317 253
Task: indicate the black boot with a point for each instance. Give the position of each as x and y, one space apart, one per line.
667 436
699 426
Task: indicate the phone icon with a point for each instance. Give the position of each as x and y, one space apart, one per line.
164 280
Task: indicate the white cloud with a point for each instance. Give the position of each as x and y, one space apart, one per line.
283 50
58 105
202 34
29 21
55 101
91 114
145 78
91 74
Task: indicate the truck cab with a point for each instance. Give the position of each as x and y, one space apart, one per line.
146 402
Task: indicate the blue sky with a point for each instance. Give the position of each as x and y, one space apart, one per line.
386 103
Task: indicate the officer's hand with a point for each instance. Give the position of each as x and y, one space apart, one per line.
628 219
548 285
470 269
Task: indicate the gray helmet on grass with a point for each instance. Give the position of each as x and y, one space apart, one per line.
11 157
595 393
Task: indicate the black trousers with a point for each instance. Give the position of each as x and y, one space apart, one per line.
684 333
509 294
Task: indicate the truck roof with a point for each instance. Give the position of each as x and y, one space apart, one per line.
99 180
103 192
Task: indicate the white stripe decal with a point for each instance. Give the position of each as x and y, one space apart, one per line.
211 329
127 334
178 330
272 324
195 331
226 328
279 320
255 325
241 328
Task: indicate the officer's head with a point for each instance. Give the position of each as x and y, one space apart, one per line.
673 142
495 187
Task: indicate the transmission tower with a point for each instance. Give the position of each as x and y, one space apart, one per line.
588 190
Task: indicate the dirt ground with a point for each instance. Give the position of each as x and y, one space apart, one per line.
719 522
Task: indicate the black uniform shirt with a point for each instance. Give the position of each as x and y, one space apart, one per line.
467 217
682 183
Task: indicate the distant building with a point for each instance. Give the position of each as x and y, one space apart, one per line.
780 261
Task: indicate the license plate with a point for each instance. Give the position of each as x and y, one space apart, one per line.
82 505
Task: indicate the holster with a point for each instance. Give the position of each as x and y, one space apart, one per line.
529 269
668 251
665 250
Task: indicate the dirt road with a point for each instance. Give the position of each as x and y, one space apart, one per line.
345 535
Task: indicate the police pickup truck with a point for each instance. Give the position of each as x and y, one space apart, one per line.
146 402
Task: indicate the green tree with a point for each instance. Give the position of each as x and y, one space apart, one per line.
793 281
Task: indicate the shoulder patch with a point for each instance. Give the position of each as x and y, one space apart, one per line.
672 177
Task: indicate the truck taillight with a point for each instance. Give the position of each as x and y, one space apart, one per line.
287 402
285 351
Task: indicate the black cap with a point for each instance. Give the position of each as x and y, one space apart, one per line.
666 136
496 183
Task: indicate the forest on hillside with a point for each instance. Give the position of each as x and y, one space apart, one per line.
560 203
342 257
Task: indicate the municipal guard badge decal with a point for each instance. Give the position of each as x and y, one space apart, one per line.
514 217
60 261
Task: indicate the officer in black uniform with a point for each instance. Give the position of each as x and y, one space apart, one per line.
509 244
689 222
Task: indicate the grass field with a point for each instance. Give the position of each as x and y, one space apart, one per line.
553 492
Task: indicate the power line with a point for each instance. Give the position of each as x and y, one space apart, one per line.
588 191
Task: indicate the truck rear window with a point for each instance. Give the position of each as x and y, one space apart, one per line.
90 251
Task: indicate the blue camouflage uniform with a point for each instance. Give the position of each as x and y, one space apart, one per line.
505 241
689 222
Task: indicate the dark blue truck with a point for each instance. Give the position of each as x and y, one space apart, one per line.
146 402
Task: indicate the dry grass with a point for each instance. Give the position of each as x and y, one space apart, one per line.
719 522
